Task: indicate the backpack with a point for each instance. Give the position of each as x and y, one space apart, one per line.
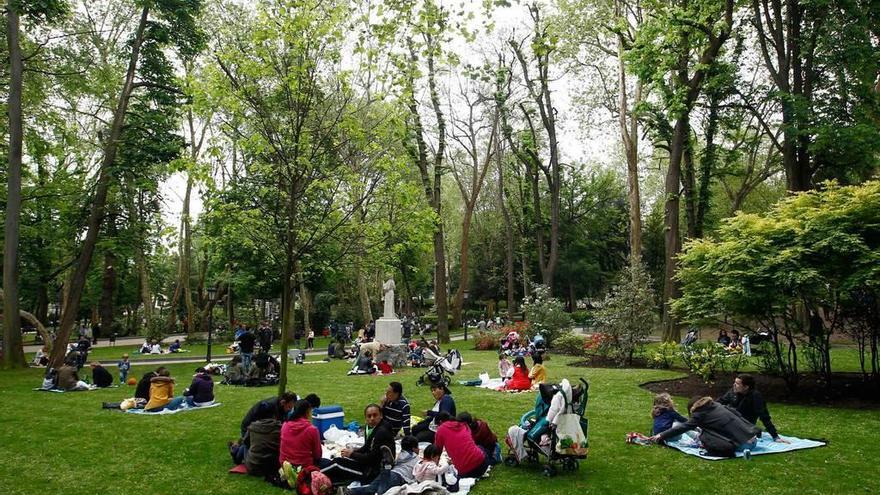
311 481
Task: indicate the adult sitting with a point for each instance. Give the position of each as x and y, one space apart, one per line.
41 358
68 379
100 376
520 379
300 440
443 402
235 374
365 463
145 347
175 346
538 374
259 448
142 391
429 357
269 408
395 409
723 430
482 435
455 436
161 391
364 365
201 391
750 404
156 348
723 338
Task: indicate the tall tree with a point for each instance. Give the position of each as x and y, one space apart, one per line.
674 52
172 23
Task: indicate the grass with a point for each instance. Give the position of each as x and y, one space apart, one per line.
64 443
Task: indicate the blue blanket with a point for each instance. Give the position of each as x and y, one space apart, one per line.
167 411
766 445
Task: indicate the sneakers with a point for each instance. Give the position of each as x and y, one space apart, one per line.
747 454
387 457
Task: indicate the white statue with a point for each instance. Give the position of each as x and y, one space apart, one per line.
388 289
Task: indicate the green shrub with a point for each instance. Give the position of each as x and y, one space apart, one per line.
663 357
582 318
546 316
704 359
628 315
570 343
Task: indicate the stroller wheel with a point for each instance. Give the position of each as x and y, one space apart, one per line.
511 461
570 464
549 471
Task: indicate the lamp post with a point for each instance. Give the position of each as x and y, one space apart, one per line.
212 296
466 296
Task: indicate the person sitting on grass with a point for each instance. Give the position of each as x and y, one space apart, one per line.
483 436
429 468
161 391
258 449
385 367
68 378
396 409
235 373
201 391
443 402
300 440
267 408
664 413
455 436
365 365
538 374
401 473
746 399
142 391
723 431
365 463
520 379
175 346
100 376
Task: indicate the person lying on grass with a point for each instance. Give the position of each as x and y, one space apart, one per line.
723 431
746 399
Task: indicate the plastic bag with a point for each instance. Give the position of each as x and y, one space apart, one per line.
571 438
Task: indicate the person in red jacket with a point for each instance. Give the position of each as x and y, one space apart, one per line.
300 440
470 460
482 435
520 379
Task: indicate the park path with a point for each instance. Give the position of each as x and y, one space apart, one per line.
119 341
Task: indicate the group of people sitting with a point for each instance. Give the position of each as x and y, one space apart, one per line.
155 347
67 377
517 376
262 369
278 439
155 392
721 427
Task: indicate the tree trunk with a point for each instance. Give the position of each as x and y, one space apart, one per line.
287 322
13 353
629 132
108 291
363 291
463 282
96 216
508 231
689 186
230 308
186 258
305 299
671 290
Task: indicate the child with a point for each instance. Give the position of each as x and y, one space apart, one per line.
538 374
429 468
400 474
123 366
664 413
504 367
385 367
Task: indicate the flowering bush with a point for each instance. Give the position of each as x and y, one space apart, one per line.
663 356
704 359
546 315
597 344
487 340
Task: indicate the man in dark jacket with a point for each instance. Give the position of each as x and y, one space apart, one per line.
201 391
748 402
246 348
365 463
273 407
724 431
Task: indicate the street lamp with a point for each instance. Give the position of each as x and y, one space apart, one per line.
212 296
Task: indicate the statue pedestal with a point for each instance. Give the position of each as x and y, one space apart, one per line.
388 330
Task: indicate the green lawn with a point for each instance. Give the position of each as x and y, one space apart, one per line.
64 443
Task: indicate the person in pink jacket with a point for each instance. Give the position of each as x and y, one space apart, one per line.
300 440
470 460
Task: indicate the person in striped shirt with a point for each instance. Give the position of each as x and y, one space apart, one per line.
395 408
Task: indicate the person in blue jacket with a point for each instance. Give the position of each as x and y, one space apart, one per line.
424 430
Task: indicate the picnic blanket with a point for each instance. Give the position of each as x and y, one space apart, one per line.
166 411
766 445
496 384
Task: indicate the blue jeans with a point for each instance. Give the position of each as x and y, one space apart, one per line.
246 360
386 479
123 376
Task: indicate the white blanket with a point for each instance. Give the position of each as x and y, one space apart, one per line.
175 411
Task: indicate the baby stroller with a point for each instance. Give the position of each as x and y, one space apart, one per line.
509 342
535 437
442 370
